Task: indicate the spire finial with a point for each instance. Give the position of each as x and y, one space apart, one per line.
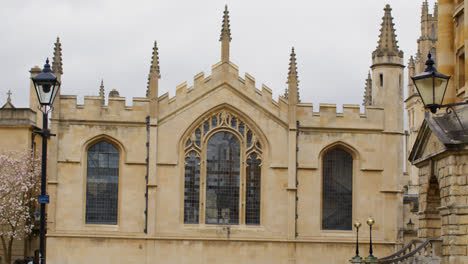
387 44
292 65
225 29
101 89
293 81
411 62
8 103
154 68
57 59
368 91
225 37
9 96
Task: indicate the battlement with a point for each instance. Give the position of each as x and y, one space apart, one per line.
351 117
94 109
221 74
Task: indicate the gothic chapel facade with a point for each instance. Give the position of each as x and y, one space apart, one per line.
222 173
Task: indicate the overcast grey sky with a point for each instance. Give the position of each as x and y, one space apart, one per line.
113 40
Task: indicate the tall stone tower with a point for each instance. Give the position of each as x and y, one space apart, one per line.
427 42
387 72
386 91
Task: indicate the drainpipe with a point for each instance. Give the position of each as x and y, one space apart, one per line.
297 167
147 172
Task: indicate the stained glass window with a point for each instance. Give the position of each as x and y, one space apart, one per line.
192 188
337 200
252 190
223 171
102 184
222 179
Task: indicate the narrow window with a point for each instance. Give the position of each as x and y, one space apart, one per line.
252 194
222 179
461 70
102 184
381 80
337 190
192 188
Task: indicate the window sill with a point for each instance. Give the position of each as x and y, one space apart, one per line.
98 227
208 227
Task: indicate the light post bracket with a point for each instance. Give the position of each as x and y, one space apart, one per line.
450 109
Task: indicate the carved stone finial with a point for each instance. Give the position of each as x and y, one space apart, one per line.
225 29
101 89
368 91
8 104
293 80
411 62
225 37
57 65
9 96
387 44
154 68
286 95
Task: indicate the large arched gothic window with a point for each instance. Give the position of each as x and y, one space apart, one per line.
102 184
222 175
337 190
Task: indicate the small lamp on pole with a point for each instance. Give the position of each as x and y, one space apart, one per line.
370 222
357 225
47 86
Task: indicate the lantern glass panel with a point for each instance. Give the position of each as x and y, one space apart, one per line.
46 91
424 87
440 85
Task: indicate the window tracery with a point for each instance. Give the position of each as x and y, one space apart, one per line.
337 190
102 184
222 172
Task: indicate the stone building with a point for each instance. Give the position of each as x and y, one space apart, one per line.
222 173
440 148
16 134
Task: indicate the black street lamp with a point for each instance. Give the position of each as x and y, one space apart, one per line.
47 86
431 86
357 224
370 222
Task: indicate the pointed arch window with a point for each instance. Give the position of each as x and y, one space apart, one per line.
337 190
222 174
102 184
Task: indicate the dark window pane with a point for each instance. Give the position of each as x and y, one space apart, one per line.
214 121
197 136
252 191
188 143
222 179
234 122
102 184
249 138
337 190
192 188
241 128
206 127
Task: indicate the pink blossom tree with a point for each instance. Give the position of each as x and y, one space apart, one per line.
19 185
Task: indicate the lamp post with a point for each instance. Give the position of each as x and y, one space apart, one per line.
370 222
46 85
431 86
357 224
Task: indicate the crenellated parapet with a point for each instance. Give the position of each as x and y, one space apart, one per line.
351 118
94 110
222 77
